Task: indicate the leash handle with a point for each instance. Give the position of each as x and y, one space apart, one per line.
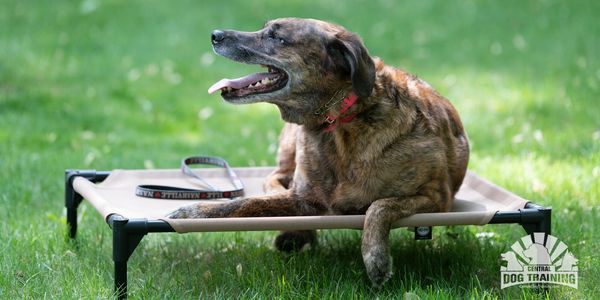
176 193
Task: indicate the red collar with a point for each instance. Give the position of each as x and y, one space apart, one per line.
346 104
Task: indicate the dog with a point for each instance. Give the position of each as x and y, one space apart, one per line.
360 137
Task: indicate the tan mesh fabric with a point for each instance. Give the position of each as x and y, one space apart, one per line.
475 204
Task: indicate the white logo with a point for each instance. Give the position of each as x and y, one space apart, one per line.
539 258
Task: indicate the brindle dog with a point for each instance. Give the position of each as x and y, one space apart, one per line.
397 150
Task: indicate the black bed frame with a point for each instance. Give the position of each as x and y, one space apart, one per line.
128 233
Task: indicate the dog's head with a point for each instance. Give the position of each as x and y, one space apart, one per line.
307 62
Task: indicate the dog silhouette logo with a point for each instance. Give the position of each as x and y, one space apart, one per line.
513 262
538 258
568 262
537 254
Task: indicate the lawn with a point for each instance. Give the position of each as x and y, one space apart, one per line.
122 84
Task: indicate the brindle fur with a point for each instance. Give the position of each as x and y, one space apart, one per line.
404 153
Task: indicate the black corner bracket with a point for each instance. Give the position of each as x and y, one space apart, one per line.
73 199
536 218
533 218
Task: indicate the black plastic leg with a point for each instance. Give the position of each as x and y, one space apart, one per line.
126 237
72 201
72 215
120 256
121 279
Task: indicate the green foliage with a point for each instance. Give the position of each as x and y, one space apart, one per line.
115 84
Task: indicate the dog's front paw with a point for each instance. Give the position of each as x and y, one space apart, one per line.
378 263
186 212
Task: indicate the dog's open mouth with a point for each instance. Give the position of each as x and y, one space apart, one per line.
257 83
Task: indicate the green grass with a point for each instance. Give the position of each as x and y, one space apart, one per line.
114 84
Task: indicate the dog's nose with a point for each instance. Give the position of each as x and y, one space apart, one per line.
217 36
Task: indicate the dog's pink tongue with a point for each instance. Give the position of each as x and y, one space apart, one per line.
237 83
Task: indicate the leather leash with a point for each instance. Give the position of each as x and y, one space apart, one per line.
176 193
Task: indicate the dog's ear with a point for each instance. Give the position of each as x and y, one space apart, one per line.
356 57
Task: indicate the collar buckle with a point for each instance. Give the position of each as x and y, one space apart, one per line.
348 101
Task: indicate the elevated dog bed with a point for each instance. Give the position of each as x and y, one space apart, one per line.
479 202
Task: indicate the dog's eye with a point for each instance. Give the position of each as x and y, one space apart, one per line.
272 36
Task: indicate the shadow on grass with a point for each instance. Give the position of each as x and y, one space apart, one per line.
454 262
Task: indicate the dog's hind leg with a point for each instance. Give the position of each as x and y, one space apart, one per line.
289 241
375 240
